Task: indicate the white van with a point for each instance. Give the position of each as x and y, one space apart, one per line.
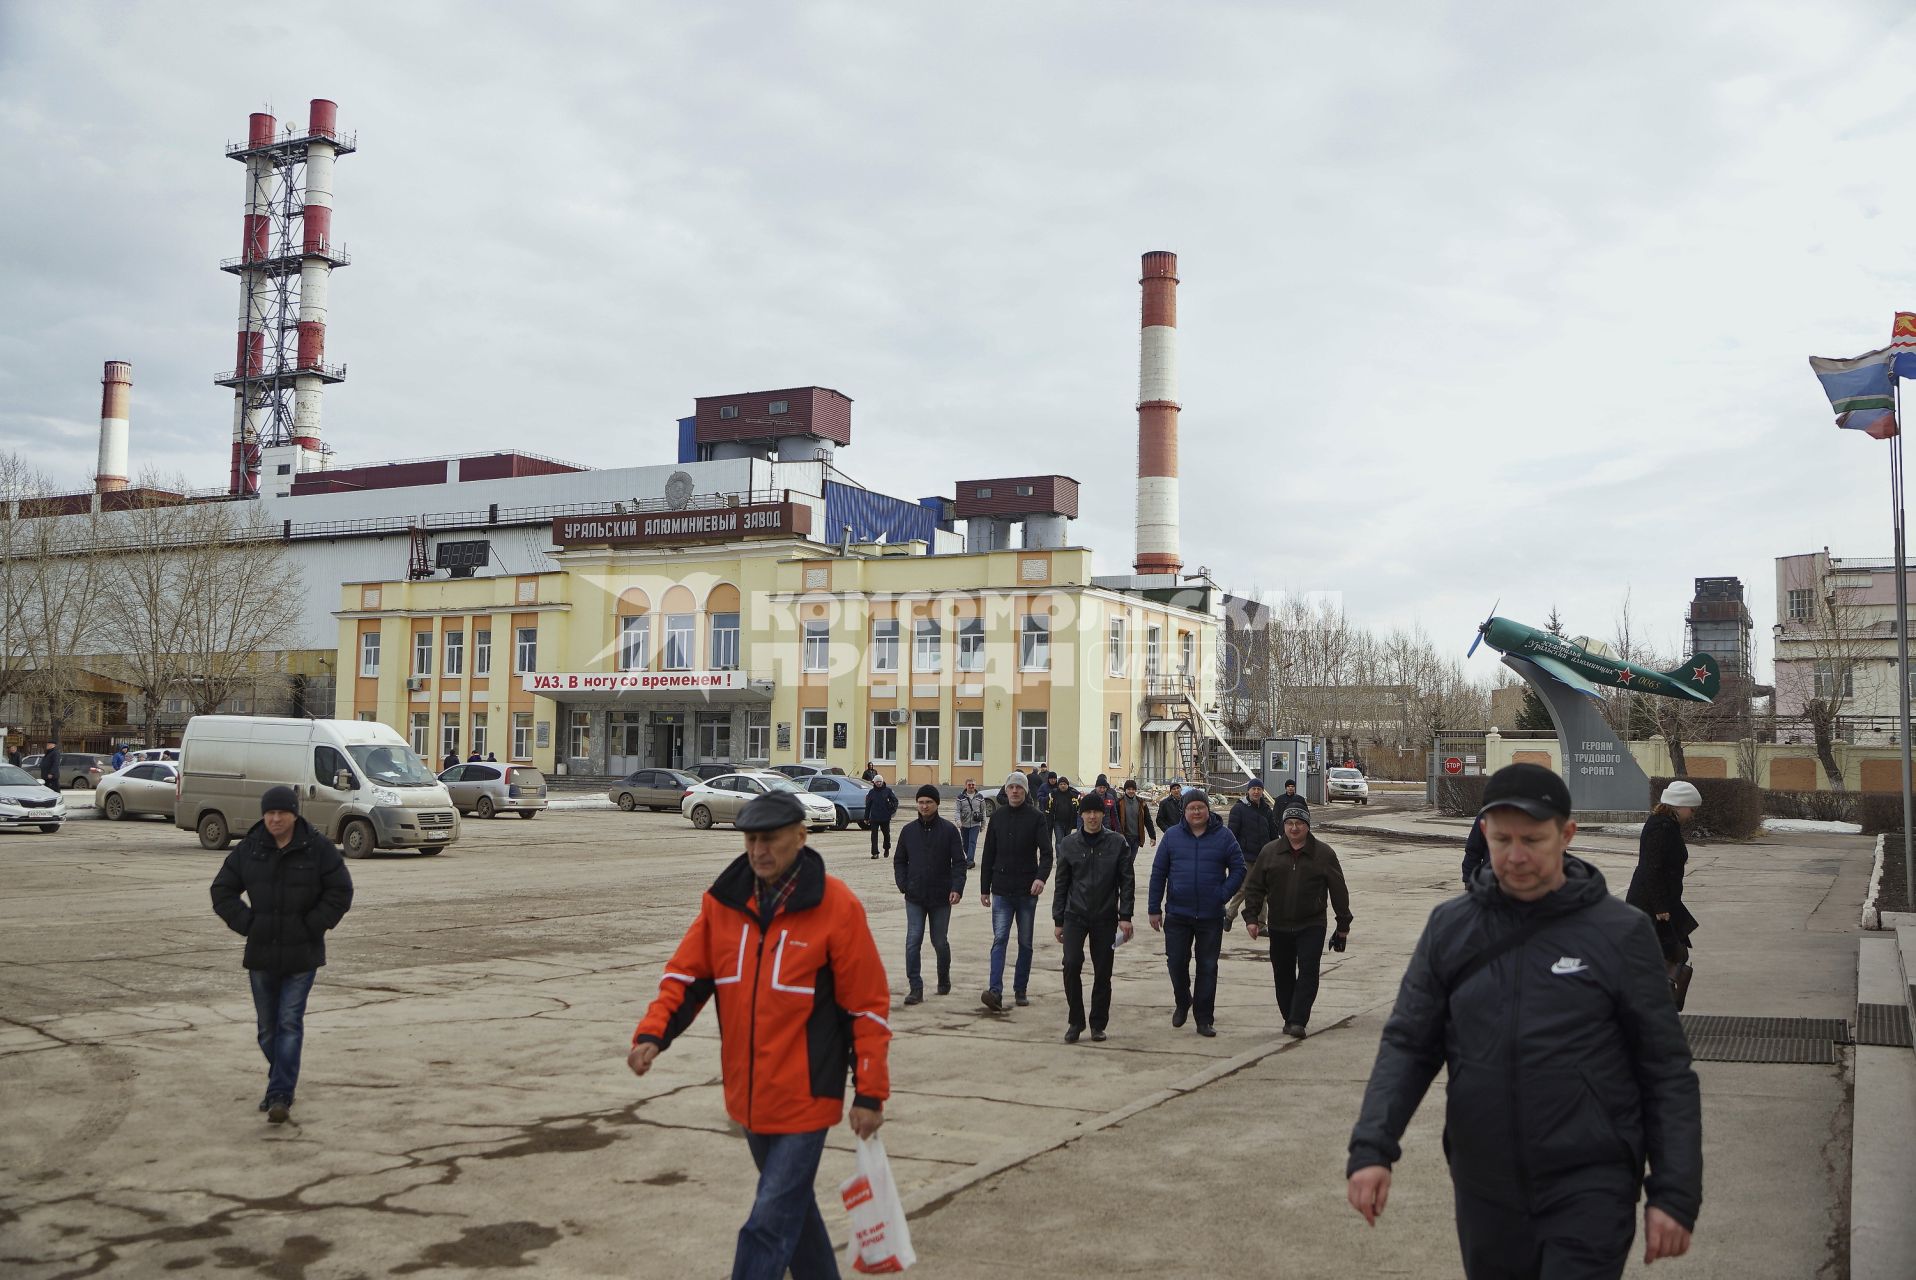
359 782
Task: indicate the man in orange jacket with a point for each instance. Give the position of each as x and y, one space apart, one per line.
802 1000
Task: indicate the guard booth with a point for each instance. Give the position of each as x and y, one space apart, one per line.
1296 760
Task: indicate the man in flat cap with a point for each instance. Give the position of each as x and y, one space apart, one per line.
802 995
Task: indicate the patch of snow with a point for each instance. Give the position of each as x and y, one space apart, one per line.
1808 826
579 802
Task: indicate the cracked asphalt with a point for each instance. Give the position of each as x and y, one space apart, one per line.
464 1108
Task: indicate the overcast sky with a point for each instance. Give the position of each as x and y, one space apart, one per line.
1479 300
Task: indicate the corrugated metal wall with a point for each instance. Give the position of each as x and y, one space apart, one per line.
873 517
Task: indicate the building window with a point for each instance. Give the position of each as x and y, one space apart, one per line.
1023 491
715 737
1187 652
679 644
885 644
927 645
924 737
725 642
455 653
971 644
449 734
1826 681
815 738
482 653
579 735
884 747
971 738
526 649
479 733
777 406
421 727
817 647
1032 748
728 411
369 654
422 653
1116 753
1802 603
634 639
1150 651
758 735
1034 643
522 735
1117 646
984 492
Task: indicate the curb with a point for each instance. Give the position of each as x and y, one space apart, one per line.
1872 916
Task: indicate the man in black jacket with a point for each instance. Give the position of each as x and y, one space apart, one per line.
1546 998
1255 823
930 871
1171 808
296 888
1017 862
1091 903
881 802
50 766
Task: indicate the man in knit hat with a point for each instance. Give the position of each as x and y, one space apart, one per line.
1296 876
1017 862
929 866
282 888
1197 869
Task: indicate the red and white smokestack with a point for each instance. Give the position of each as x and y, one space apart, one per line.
1157 518
249 423
316 269
116 393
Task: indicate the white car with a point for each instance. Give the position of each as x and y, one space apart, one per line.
24 802
720 799
1346 784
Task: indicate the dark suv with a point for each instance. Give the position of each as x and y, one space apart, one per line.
78 769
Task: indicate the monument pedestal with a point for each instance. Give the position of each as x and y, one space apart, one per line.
1606 783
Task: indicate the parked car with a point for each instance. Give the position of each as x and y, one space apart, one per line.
797 771
148 787
656 789
706 772
720 799
483 790
846 794
78 769
1346 784
26 802
154 753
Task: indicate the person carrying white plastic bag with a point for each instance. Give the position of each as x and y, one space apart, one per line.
881 1238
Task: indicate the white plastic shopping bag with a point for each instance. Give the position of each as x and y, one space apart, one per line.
881 1241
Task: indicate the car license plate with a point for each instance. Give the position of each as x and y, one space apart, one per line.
438 835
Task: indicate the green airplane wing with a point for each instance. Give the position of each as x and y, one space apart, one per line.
1565 674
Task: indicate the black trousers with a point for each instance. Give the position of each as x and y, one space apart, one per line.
1581 1235
1101 934
1185 936
878 829
1295 956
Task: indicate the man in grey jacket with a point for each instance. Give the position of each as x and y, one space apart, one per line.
972 810
1091 902
1546 998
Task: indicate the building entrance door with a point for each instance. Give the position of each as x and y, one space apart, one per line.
626 749
668 746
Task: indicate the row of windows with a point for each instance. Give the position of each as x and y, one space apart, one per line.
475 739
525 656
729 411
926 740
680 642
1034 646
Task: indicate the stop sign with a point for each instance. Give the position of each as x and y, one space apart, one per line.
1453 765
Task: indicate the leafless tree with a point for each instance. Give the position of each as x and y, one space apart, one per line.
146 578
1838 644
20 567
61 616
240 601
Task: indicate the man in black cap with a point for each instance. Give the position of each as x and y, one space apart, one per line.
1171 807
296 887
930 871
1091 903
1547 998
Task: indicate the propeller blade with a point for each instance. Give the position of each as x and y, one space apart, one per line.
1471 652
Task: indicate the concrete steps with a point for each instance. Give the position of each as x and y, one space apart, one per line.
1883 1142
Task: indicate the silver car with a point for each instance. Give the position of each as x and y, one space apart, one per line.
486 789
24 802
720 799
656 789
148 787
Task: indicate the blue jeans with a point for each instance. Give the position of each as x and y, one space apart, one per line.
785 1228
279 1001
1024 908
970 835
1182 936
915 920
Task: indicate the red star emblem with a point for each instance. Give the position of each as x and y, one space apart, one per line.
1624 677
1699 675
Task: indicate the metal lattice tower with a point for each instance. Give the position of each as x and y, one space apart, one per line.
287 255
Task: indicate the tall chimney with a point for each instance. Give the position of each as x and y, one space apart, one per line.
315 269
1157 518
116 392
251 416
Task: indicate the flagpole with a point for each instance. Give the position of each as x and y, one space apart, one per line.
1902 650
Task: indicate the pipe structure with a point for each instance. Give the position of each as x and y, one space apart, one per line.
1158 408
250 417
116 393
316 268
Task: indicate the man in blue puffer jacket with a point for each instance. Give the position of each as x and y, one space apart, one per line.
1197 869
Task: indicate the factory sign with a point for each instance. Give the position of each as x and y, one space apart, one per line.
634 681
648 528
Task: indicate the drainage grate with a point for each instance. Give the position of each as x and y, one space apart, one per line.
1718 1025
1883 1024
1722 1048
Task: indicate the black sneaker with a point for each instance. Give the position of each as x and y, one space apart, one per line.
1295 1030
1097 1033
1020 998
993 1000
265 1102
914 996
1071 1034
944 988
277 1113
1179 1014
1206 1029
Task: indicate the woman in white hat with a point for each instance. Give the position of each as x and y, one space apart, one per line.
1657 886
